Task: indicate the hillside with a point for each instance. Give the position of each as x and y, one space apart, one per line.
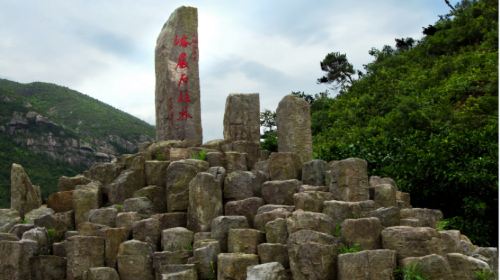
426 114
52 131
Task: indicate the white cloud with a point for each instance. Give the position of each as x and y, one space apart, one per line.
106 49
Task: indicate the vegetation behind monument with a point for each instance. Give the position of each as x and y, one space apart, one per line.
426 114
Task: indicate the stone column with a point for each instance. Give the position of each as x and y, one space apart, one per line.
293 120
242 118
177 97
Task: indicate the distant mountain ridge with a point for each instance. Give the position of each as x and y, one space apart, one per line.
43 124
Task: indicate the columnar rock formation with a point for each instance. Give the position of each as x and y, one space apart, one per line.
177 94
293 120
227 210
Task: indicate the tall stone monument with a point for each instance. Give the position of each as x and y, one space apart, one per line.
177 95
294 127
242 118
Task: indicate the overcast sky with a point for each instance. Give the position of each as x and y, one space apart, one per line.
105 49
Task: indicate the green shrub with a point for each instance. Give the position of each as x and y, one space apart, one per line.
344 249
484 274
409 272
201 155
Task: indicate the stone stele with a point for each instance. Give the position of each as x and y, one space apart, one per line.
294 127
177 97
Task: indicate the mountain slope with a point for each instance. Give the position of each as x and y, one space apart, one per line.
54 131
427 116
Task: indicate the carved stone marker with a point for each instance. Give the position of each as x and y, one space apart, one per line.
294 127
177 96
242 118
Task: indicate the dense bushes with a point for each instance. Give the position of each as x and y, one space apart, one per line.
427 116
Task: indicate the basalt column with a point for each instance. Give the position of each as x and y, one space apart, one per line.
177 97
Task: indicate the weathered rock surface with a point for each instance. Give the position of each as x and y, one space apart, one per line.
155 171
425 217
349 180
205 202
284 166
276 231
179 174
239 185
432 267
147 230
300 220
86 198
341 210
48 267
313 172
280 192
370 264
294 127
364 232
134 260
221 226
411 241
8 219
175 239
233 266
156 195
311 200
177 94
266 271
273 252
83 252
242 118
246 207
125 185
101 273
24 196
244 240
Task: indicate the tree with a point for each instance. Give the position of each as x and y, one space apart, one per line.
404 44
338 70
269 138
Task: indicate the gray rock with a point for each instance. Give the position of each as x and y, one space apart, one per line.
156 195
273 252
205 257
24 196
163 261
175 239
236 161
364 232
450 241
127 219
312 255
219 174
464 267
403 200
142 205
284 166
58 224
313 172
239 185
266 271
69 183
276 231
280 192
171 220
311 200
376 180
83 252
58 249
242 118
8 237
40 236
19 229
271 207
188 274
263 218
384 195
251 149
113 237
309 220
101 273
349 180
490 254
48 267
244 240
86 198
15 259
294 127
388 216
432 267
34 214
411 241
177 100
147 230
216 159
307 188
233 266
104 216
341 210
426 217
155 171
205 202
246 207
125 185
370 264
221 226
8 219
102 172
134 260
179 174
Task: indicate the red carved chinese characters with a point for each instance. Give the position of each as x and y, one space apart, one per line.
181 67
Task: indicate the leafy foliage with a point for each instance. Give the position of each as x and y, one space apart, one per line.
338 69
344 249
427 116
484 274
269 138
409 272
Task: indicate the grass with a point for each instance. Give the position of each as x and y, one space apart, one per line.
484 274
344 249
410 272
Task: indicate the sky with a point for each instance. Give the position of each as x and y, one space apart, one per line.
105 49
